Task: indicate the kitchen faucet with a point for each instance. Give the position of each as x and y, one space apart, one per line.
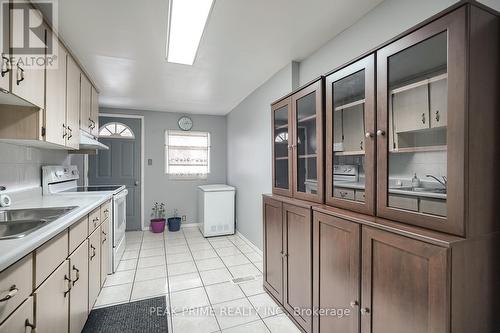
443 182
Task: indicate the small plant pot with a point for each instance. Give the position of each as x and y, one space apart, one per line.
158 225
174 224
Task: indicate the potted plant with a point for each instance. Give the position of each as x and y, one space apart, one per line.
174 223
158 218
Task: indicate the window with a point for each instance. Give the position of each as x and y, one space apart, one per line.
116 130
187 154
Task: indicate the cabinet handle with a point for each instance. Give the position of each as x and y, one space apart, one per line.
437 116
423 118
64 131
70 133
105 234
364 311
12 292
20 74
361 145
30 325
77 274
380 132
93 251
354 304
66 278
5 65
369 135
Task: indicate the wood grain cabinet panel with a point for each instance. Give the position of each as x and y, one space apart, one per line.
73 103
79 296
49 256
105 239
94 219
85 104
297 234
94 266
94 112
336 273
78 232
273 247
404 285
21 321
52 301
16 284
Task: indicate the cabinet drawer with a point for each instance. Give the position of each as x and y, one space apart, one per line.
433 206
17 323
344 193
16 281
360 195
94 219
402 202
49 256
105 210
78 232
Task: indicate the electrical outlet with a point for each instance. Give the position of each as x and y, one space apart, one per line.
184 218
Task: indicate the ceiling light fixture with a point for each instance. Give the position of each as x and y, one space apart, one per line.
187 20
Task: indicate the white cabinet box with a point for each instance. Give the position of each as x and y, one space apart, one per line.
216 209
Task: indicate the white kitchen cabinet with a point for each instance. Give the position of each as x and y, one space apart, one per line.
94 266
410 108
438 91
79 296
21 321
16 284
27 82
85 104
73 102
353 128
94 112
56 127
52 301
104 250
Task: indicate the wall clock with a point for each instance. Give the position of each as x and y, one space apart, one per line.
185 123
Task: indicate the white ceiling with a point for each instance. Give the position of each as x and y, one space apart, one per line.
121 43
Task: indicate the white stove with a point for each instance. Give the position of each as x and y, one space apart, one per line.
62 180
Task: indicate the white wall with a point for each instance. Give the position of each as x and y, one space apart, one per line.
249 151
249 124
177 194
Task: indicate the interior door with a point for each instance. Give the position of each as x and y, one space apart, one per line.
350 110
121 164
79 296
404 285
307 108
336 272
415 163
273 247
282 147
298 264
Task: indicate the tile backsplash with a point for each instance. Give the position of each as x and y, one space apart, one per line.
20 167
404 165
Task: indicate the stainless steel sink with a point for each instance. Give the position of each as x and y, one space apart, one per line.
17 223
421 189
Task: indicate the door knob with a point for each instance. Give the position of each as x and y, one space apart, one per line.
136 183
380 132
369 135
354 304
364 311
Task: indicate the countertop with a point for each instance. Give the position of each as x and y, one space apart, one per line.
11 250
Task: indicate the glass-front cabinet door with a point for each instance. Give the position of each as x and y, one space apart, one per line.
421 111
307 106
350 142
282 147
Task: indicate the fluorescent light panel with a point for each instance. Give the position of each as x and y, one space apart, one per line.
186 25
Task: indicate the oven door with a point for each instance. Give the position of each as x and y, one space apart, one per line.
119 217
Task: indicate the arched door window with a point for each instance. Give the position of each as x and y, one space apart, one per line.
116 130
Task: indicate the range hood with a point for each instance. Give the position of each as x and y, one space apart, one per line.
87 142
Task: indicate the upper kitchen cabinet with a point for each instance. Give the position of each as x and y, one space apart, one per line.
282 147
85 104
297 123
436 98
350 142
27 75
73 102
94 112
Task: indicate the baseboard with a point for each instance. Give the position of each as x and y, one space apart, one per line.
190 225
249 243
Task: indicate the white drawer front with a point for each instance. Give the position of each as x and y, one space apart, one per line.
16 284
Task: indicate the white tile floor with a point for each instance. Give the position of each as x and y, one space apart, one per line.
194 274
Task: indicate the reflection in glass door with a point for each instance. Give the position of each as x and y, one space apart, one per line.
281 148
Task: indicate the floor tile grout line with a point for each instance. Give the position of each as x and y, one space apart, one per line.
169 306
136 267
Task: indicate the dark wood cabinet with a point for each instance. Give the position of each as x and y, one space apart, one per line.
273 247
297 128
297 235
350 137
404 285
336 273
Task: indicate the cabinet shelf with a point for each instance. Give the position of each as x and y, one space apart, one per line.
308 156
281 127
349 153
301 120
348 105
419 83
281 158
418 149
